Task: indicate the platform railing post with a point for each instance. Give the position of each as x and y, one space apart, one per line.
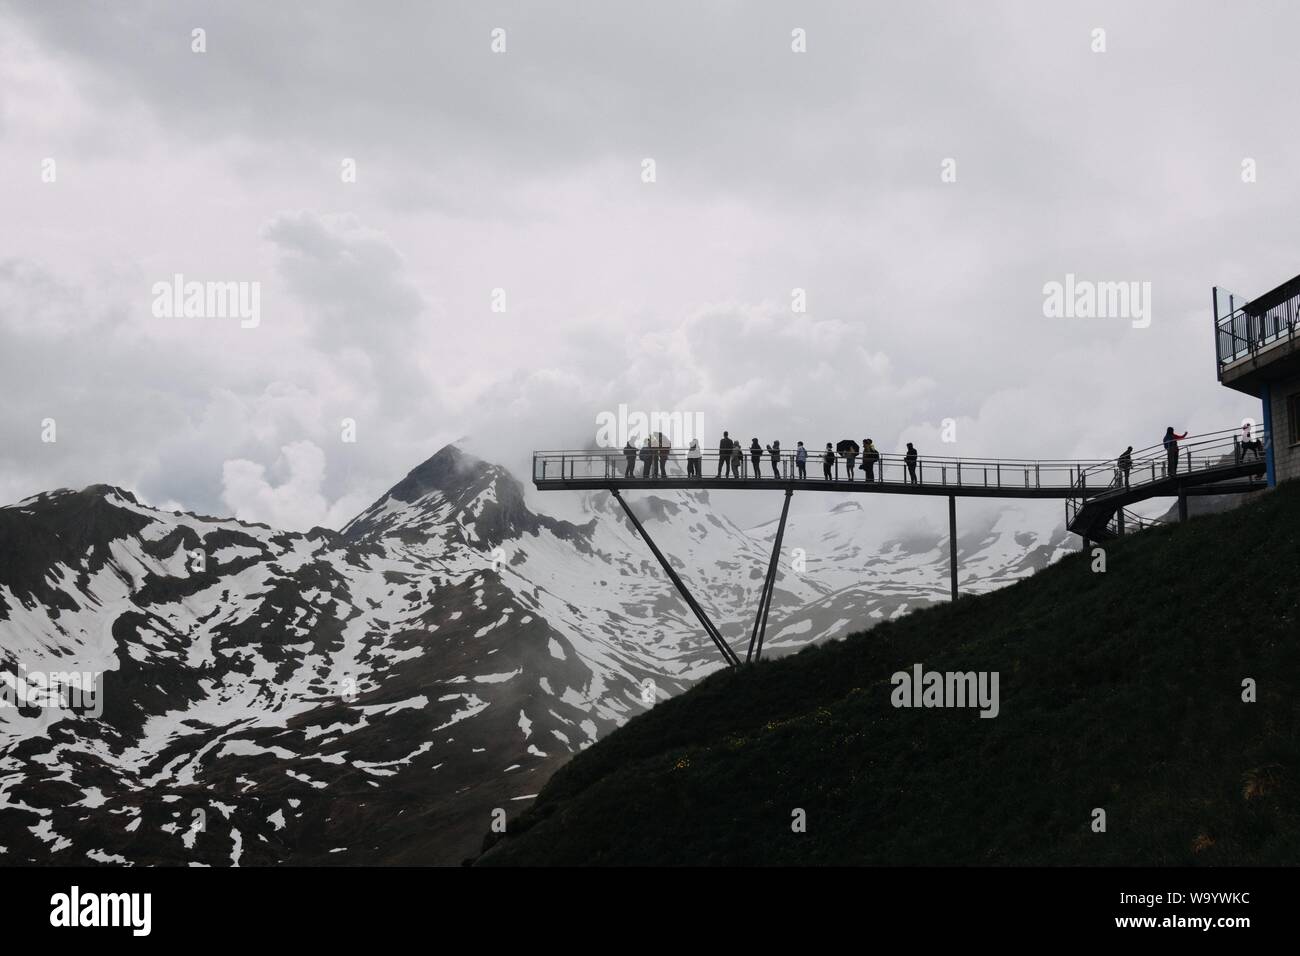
952 542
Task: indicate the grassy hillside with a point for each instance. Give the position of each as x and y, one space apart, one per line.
1119 690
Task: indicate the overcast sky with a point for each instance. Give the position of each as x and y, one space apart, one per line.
522 171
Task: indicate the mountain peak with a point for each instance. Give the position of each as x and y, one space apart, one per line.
448 469
459 493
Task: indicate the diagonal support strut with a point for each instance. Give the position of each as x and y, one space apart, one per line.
769 583
727 653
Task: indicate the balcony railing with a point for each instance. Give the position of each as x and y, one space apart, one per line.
1240 334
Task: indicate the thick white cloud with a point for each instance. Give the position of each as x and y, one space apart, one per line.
521 172
290 497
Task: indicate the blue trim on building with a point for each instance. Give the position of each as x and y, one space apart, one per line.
1270 474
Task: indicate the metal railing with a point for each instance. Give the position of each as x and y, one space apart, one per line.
1239 334
1195 453
1154 463
1132 520
893 469
1088 477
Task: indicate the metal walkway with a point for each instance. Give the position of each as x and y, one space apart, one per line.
1096 492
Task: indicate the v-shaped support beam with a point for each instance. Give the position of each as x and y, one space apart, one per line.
769 583
727 653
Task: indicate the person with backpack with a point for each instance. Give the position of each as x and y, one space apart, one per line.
910 461
774 450
1124 464
828 462
1170 442
724 454
869 458
629 452
693 459
647 459
801 460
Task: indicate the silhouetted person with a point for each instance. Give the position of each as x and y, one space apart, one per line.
869 458
693 458
1125 465
828 462
910 461
724 454
801 460
737 459
661 460
647 459
1171 441
756 456
774 450
629 452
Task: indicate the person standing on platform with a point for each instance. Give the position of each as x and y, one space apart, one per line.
869 458
774 450
801 460
1124 465
1171 441
629 452
724 454
828 462
737 459
910 460
693 459
756 456
647 459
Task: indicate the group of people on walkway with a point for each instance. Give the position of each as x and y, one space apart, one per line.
1124 463
732 453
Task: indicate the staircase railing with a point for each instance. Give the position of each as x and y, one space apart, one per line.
1154 463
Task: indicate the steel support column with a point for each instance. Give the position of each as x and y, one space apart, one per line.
1182 504
952 542
769 583
728 654
1270 470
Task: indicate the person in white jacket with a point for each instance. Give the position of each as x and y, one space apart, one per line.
693 460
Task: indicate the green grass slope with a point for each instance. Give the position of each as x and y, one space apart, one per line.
1119 690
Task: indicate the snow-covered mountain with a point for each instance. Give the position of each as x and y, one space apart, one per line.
380 694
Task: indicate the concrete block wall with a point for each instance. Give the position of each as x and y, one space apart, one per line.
1284 396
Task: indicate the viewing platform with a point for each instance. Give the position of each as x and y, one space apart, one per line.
1096 492
1202 460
